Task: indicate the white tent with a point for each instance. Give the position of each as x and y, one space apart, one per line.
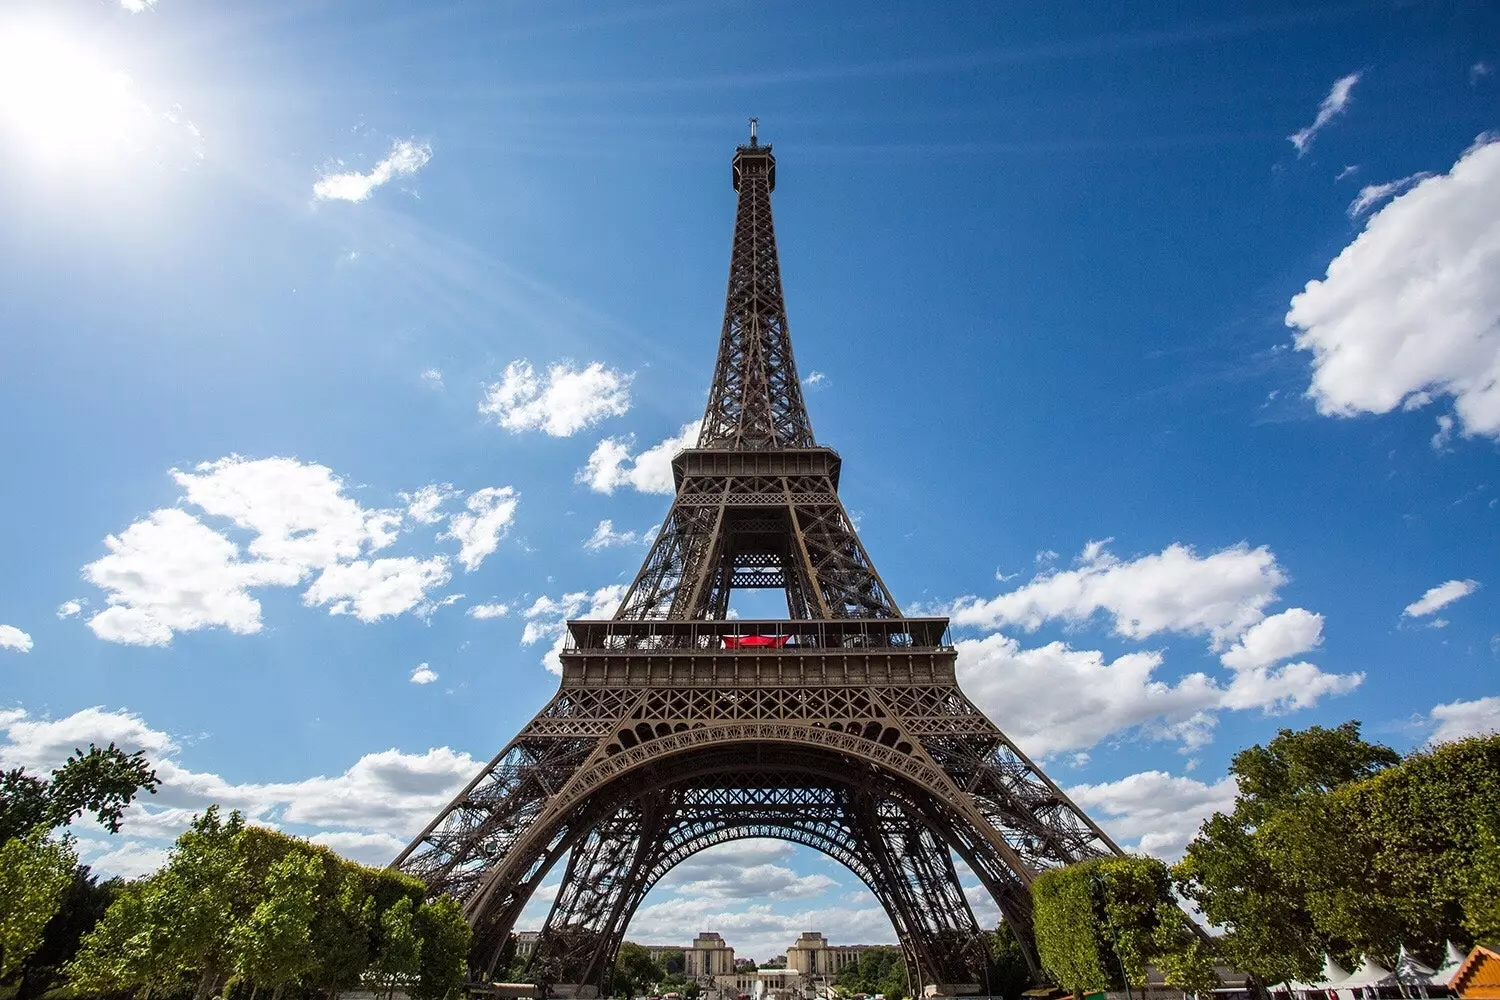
1369 973
1412 973
1452 959
1333 975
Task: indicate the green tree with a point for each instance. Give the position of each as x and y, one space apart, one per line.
636 970
100 782
444 959
1239 878
1008 973
83 905
131 947
1104 921
342 933
398 957
273 945
34 875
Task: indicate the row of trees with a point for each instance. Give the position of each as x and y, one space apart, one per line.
879 970
1335 845
235 908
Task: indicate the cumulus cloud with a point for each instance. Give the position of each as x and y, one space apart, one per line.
173 572
1176 590
1373 194
423 674
487 517
13 638
406 157
1332 106
605 536
1154 812
547 619
433 377
1458 719
1440 596
814 379
1056 698
1409 312
611 466
564 401
489 611
69 609
377 804
1293 631
379 588
424 506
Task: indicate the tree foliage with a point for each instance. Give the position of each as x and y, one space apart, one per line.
100 782
1338 845
242 903
879 970
635 970
1008 974
34 875
1101 922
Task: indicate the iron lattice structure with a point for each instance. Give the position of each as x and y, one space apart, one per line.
847 732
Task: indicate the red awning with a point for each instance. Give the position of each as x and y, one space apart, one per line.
742 641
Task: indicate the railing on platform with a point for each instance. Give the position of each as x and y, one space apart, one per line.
766 636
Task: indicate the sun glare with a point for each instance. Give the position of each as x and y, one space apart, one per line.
62 101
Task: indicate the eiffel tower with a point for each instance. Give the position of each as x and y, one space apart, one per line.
677 727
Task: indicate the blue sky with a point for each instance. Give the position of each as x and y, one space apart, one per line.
331 328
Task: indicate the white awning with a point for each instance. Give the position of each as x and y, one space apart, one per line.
1369 973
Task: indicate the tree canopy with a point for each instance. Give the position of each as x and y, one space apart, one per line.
1337 845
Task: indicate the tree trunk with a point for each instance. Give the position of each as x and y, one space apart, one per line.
206 982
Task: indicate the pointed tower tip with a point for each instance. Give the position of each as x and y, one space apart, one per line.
754 125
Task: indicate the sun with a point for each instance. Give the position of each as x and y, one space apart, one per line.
61 101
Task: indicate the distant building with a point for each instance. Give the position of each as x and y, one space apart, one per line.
526 942
708 957
815 958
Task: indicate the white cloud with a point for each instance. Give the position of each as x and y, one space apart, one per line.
1056 698
423 674
383 798
1332 106
128 860
298 510
13 638
1373 194
423 505
478 531
1154 812
405 158
547 619
1440 596
757 881
489 611
1176 590
814 379
611 466
566 401
433 377
68 609
1479 71
1293 631
42 744
136 6
374 849
1409 311
374 589
605 536
1458 719
171 573
1444 432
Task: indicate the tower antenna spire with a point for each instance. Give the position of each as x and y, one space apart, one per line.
754 122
